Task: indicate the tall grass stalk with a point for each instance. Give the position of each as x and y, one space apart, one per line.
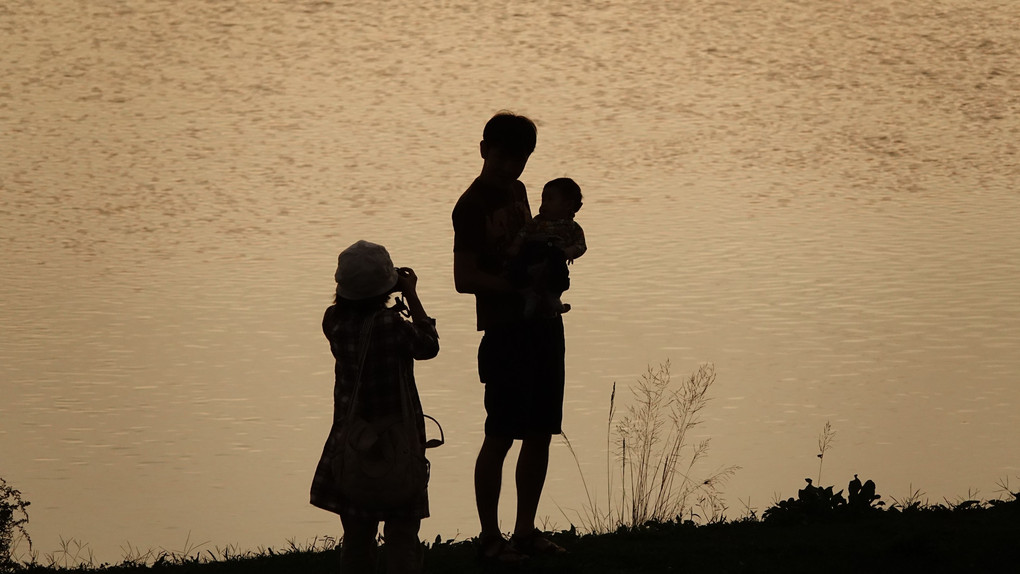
594 519
656 462
912 501
609 459
825 441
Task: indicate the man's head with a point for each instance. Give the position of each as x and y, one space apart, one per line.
507 142
515 135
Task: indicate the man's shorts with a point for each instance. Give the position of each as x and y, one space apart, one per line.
522 368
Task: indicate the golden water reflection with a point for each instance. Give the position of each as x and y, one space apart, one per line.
820 199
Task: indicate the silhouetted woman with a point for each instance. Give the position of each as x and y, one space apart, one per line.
365 279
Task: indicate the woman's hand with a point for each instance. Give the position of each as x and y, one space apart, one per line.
407 281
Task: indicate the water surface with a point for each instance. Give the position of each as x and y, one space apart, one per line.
819 198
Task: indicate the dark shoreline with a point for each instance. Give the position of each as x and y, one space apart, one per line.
967 537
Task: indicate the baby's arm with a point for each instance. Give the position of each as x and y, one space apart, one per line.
523 235
578 247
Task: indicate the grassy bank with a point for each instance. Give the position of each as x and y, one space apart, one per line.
967 537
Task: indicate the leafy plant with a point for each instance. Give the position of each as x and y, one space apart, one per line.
655 460
13 518
815 504
862 495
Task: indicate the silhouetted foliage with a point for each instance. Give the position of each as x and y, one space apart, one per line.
13 518
862 496
655 456
816 504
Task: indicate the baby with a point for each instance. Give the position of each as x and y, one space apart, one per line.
544 247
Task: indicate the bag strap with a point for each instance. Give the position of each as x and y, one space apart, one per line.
405 394
434 442
366 337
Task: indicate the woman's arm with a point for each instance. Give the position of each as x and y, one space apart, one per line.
426 338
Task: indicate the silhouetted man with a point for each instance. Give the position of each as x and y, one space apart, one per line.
520 360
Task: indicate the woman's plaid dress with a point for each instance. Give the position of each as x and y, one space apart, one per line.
389 363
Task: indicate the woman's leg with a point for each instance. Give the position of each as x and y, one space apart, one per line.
401 546
357 551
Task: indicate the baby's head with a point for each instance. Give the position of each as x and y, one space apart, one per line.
561 199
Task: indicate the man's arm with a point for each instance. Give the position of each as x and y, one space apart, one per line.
469 278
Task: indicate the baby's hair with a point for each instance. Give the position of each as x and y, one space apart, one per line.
568 188
511 133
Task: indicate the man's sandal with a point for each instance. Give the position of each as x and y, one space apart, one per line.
498 550
536 544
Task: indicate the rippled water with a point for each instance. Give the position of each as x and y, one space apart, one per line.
818 197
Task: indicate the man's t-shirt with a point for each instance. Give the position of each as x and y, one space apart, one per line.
486 220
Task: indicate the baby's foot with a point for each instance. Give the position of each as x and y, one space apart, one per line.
564 307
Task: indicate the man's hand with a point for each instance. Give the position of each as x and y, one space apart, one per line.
468 278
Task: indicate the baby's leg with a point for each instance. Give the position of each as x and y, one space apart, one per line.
532 302
554 305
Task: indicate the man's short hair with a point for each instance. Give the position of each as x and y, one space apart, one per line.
512 133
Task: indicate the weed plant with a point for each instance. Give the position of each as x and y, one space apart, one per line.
825 441
648 449
13 518
912 501
818 504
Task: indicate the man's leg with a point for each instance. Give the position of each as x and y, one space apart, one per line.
488 479
357 552
531 470
402 548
